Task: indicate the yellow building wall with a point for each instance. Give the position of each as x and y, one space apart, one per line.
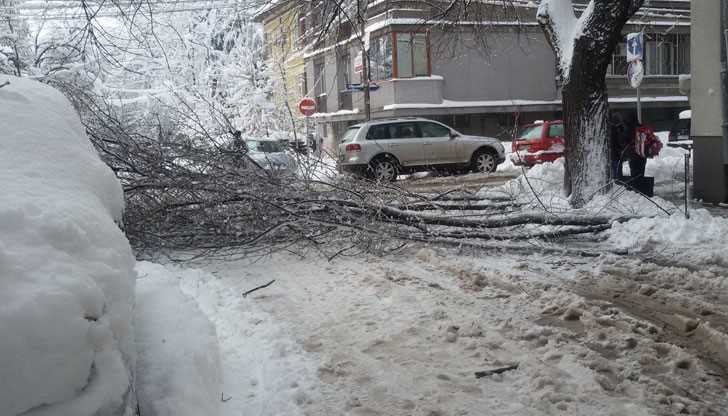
283 51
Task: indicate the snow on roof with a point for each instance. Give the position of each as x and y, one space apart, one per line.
670 98
454 104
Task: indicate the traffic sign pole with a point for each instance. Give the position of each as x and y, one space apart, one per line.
639 106
308 127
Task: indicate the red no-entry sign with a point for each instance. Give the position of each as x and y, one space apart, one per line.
307 107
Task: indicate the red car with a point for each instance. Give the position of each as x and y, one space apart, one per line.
542 141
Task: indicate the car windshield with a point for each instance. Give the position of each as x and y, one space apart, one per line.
265 146
350 133
531 132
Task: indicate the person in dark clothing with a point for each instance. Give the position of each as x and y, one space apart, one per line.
637 163
616 128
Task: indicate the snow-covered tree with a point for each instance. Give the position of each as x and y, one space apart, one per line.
584 46
15 54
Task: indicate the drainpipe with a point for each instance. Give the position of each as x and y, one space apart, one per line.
724 89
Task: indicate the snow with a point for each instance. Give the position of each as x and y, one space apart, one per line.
66 269
402 333
206 350
566 25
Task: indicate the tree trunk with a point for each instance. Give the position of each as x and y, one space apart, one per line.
584 46
586 115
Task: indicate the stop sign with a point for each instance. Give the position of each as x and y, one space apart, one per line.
307 107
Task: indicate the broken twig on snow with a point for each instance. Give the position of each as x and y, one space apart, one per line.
259 287
481 374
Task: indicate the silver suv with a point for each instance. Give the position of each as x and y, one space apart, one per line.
384 148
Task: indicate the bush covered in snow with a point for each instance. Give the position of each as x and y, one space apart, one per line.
66 269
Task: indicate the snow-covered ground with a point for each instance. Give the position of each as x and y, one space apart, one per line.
635 325
616 334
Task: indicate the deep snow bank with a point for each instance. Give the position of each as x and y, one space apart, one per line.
178 354
205 350
660 223
66 269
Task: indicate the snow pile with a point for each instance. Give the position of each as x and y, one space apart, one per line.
179 360
647 233
662 223
66 269
206 350
669 165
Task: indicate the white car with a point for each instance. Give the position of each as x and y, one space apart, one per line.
384 148
269 154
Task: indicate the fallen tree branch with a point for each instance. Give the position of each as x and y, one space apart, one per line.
259 287
430 206
481 374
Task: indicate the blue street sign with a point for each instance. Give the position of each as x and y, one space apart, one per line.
360 87
634 47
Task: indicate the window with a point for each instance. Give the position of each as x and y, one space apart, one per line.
411 55
402 130
318 78
619 60
433 130
665 54
342 71
556 130
380 58
531 132
410 52
378 133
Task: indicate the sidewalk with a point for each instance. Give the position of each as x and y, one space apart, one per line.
674 192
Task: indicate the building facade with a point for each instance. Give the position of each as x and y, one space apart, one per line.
480 79
283 34
710 181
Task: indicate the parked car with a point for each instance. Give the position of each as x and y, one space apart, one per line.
542 141
269 154
382 149
681 129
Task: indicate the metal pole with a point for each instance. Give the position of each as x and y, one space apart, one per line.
724 90
367 96
308 127
687 181
639 106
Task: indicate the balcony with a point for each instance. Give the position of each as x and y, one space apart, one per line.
420 90
346 101
321 103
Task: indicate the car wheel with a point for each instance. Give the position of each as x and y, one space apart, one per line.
384 169
484 161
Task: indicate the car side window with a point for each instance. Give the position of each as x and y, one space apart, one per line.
378 133
556 130
402 131
433 130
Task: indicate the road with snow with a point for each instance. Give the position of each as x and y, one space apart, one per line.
405 334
